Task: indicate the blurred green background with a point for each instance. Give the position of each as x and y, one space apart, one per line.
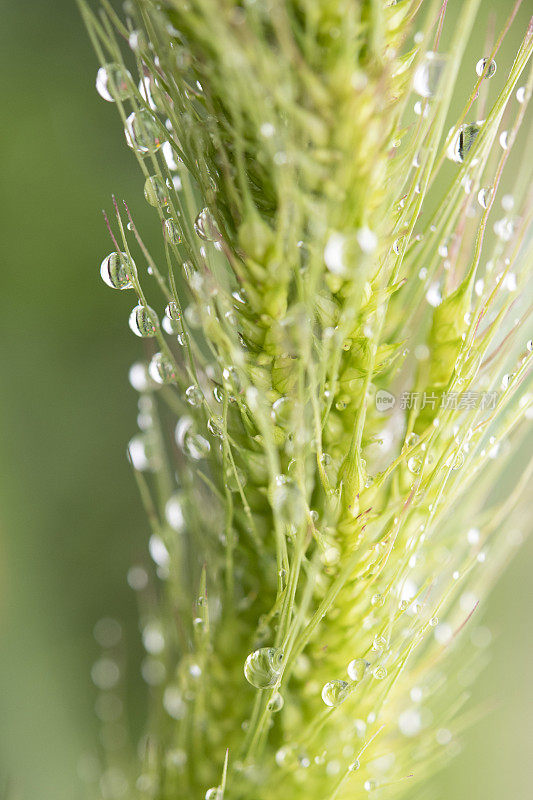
70 520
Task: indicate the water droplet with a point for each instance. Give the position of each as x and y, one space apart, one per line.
366 239
215 793
529 345
170 326
379 643
288 501
480 67
521 94
205 226
410 722
189 441
137 41
357 669
462 142
414 464
172 231
369 786
158 551
215 426
428 74
161 369
114 82
174 512
137 578
335 692
508 202
105 673
141 454
483 197
420 108
156 191
379 673
172 160
276 702
193 395
397 245
433 295
334 253
262 668
117 270
172 311
107 632
267 130
153 638
151 93
142 132
354 766
139 378
504 229
504 140
143 321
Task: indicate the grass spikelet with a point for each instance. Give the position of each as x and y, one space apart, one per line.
337 385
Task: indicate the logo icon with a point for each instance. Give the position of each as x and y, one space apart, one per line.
385 401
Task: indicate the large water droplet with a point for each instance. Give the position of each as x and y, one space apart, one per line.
151 93
193 395
205 226
190 441
462 142
161 369
335 692
141 453
156 191
142 132
356 669
114 82
428 74
215 793
172 231
480 67
143 321
262 668
117 270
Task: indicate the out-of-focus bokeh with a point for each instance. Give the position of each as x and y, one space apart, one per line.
70 520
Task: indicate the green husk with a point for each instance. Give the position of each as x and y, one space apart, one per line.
291 123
